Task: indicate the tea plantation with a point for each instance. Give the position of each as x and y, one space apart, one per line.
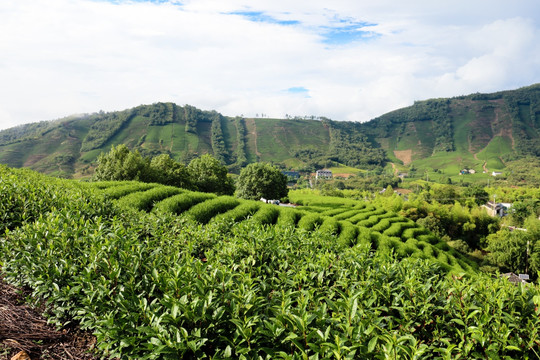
157 272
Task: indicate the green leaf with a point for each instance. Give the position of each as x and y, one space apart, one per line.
372 343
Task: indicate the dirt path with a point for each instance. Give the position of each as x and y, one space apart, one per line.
24 329
394 168
254 133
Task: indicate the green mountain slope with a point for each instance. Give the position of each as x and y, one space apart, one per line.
480 131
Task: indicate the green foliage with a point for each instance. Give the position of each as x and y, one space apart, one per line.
524 171
169 172
239 213
182 202
310 222
331 225
350 146
123 188
518 250
153 286
441 136
145 200
191 116
209 175
104 126
261 180
267 215
241 158
348 233
26 195
218 142
159 114
477 193
205 211
289 217
122 164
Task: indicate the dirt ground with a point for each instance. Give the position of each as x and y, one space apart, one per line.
404 155
22 328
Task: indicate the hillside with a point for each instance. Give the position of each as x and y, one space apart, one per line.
479 131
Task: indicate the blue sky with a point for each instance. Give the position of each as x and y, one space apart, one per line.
345 60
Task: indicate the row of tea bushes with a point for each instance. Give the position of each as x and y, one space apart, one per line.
346 222
155 286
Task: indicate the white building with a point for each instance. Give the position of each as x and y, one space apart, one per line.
323 174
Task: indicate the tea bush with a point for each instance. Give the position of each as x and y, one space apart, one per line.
205 211
310 222
182 202
158 286
145 200
289 217
267 215
125 188
246 209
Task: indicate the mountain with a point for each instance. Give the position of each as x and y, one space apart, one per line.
478 131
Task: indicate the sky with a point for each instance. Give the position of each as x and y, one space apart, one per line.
345 60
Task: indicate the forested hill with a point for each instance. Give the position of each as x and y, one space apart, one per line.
474 131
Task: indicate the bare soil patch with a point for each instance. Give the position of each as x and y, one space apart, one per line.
404 155
22 328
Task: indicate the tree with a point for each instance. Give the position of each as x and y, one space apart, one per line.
518 250
261 180
169 172
209 175
121 164
477 193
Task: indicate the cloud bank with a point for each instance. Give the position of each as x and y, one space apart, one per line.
344 60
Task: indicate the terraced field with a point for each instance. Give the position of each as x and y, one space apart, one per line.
352 222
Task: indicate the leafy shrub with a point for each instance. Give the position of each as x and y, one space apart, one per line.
413 232
145 200
26 195
346 215
370 222
348 234
429 238
156 286
180 203
116 192
381 225
206 210
267 215
331 225
239 213
310 222
288 217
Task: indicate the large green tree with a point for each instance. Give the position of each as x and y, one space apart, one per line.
122 164
169 172
261 180
209 175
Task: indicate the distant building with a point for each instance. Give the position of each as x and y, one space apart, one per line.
497 209
323 174
516 279
496 173
403 175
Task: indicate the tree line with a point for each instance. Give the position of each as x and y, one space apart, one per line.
204 173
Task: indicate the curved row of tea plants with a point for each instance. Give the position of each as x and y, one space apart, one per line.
156 286
342 217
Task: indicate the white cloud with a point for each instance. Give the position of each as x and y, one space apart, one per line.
70 56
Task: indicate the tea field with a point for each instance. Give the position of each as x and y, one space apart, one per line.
158 272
